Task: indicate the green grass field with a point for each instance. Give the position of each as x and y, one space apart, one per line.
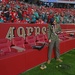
67 67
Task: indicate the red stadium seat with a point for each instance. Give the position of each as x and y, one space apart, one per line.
18 41
41 38
5 46
46 38
31 40
63 36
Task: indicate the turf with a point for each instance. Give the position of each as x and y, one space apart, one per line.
67 67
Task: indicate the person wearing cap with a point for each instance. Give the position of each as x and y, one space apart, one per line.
53 40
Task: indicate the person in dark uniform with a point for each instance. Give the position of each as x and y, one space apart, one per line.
53 29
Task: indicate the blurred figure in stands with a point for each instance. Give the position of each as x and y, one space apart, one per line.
33 19
74 19
53 40
57 17
1 20
27 19
17 20
40 21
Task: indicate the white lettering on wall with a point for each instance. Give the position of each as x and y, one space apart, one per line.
44 30
37 30
29 30
10 33
21 32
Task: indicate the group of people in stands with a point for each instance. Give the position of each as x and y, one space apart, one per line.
21 12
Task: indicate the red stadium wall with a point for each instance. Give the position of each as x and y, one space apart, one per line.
10 30
67 26
17 63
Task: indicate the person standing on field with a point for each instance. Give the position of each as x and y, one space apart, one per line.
53 29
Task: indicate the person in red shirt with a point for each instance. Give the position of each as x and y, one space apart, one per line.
13 14
3 17
40 21
50 15
17 20
24 20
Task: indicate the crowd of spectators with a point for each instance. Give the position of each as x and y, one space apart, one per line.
21 12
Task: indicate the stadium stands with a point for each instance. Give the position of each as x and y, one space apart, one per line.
19 12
